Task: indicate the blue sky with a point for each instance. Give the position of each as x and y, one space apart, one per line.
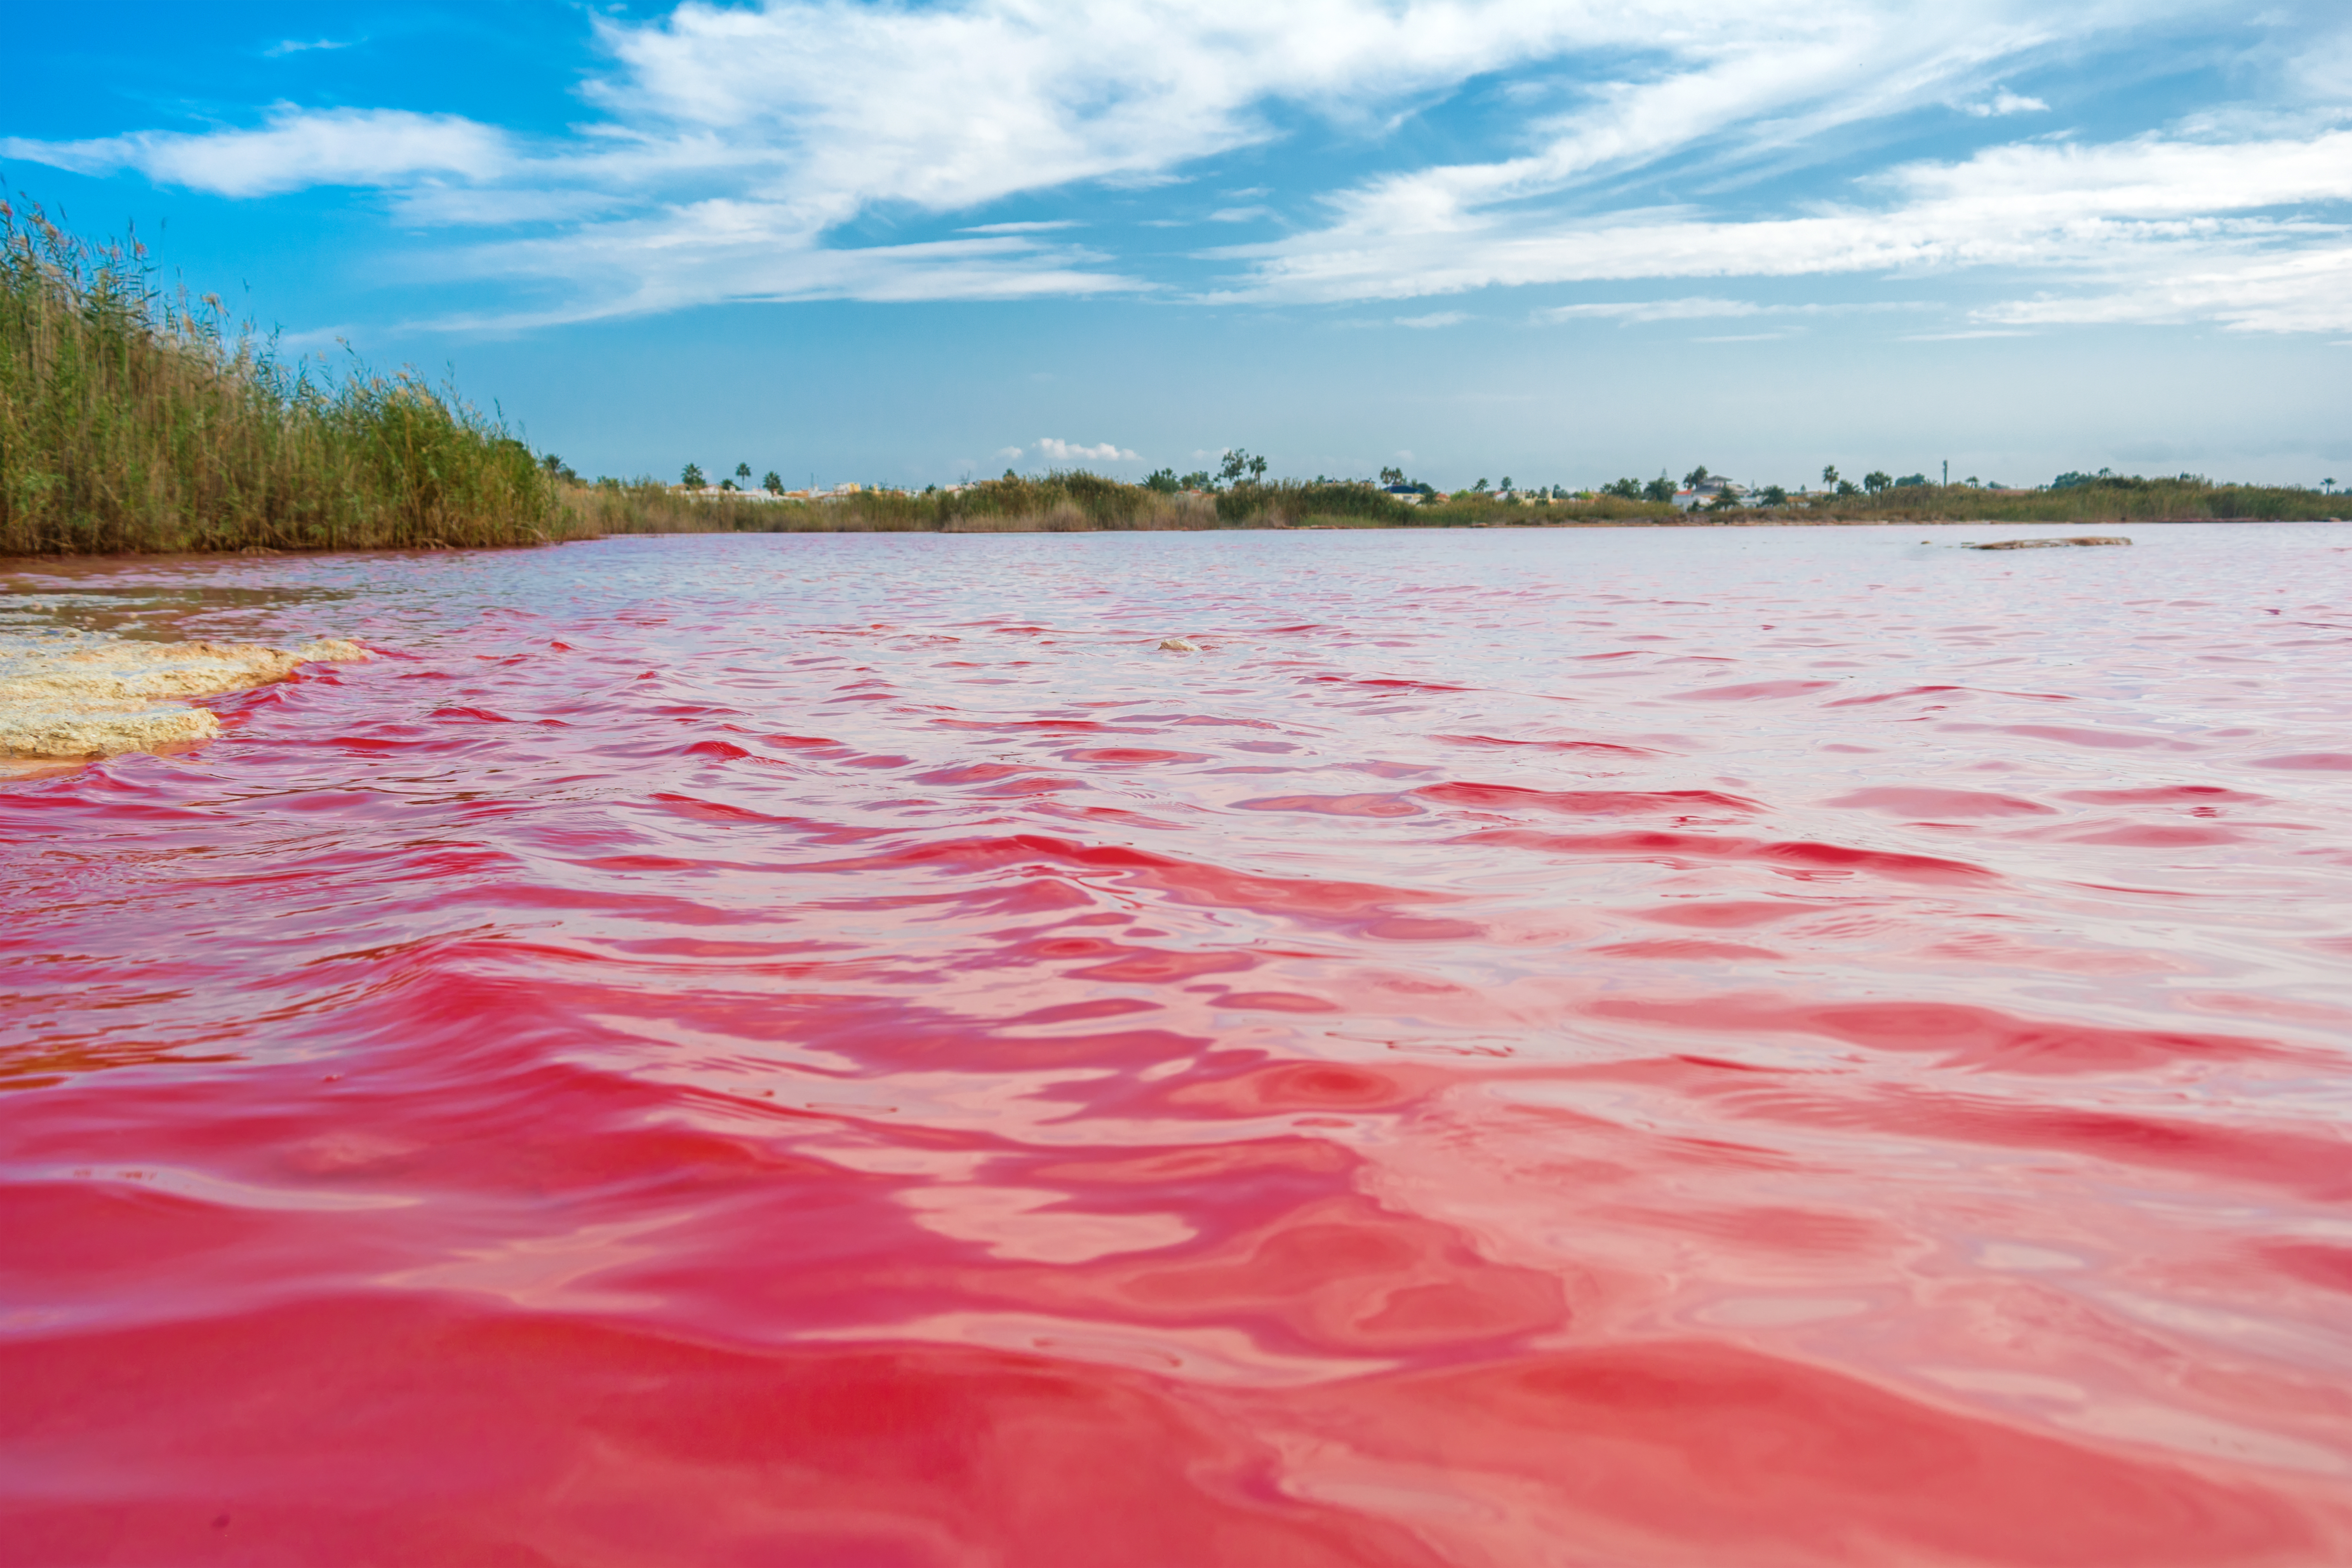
1558 242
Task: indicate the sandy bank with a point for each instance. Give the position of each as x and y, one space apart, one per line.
88 696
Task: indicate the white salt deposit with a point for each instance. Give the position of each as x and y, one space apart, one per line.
84 696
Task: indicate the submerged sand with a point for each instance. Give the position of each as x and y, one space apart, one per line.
98 697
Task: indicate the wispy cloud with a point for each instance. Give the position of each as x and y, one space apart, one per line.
2164 229
1435 319
2307 289
297 47
292 149
735 146
1700 308
760 252
1686 310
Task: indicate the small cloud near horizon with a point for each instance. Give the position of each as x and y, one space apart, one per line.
1067 452
1435 319
296 46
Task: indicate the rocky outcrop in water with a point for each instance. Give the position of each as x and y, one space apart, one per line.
100 697
2049 543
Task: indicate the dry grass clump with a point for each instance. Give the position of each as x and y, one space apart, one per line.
137 419
2107 499
1075 502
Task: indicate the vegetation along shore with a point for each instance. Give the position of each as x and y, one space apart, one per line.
135 418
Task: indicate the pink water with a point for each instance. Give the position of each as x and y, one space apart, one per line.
1662 1048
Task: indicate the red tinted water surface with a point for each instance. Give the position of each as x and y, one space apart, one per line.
1658 1048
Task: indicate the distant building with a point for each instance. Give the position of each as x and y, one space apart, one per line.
1706 491
720 492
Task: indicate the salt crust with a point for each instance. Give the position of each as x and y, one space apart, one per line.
90 697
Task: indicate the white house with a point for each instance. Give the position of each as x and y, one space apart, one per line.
1705 492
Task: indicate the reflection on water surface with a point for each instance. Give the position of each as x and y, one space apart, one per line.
1615 1046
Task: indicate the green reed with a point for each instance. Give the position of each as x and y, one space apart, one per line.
134 418
1071 502
1074 502
2118 499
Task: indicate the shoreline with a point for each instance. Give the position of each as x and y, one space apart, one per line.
10 563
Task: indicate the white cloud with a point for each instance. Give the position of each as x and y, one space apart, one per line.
1065 452
1435 319
295 148
738 142
950 106
724 249
2007 102
297 47
2306 291
2169 230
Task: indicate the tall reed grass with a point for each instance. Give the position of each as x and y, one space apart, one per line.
134 418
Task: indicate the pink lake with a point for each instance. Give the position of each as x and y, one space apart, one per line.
1755 1048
